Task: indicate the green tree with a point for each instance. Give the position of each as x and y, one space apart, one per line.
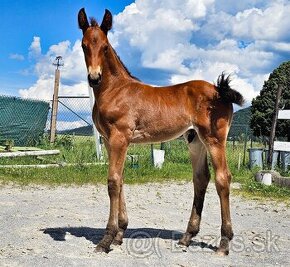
263 105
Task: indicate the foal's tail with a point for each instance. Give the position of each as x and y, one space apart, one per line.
226 93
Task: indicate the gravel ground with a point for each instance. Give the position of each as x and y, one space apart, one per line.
61 226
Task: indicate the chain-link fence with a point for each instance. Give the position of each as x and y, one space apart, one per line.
74 117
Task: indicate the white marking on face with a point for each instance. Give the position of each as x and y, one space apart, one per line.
95 72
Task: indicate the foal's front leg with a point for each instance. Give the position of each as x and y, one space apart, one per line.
117 149
122 217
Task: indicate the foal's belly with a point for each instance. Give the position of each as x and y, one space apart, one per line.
159 135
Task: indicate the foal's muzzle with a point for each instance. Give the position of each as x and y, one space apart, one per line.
94 80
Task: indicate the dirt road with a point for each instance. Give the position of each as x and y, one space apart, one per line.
60 227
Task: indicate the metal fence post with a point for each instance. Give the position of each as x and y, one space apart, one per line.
245 146
96 133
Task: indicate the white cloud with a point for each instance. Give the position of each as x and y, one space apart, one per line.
63 125
68 125
16 57
272 23
158 29
73 73
273 46
200 39
74 68
35 48
42 89
205 71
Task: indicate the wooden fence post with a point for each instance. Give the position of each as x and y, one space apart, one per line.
54 107
273 127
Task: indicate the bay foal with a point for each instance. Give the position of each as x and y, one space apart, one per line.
129 111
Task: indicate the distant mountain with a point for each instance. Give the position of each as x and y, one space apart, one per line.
241 123
83 131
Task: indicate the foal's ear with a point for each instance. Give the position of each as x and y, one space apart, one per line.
83 20
107 22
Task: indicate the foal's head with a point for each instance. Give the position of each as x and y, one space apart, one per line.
95 44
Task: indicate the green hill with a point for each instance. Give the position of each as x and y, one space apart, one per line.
241 123
83 131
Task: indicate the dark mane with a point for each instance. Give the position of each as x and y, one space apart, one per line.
129 73
93 22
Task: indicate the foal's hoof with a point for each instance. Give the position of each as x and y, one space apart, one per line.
117 242
100 249
222 252
185 240
183 243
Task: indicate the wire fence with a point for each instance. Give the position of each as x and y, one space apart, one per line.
74 116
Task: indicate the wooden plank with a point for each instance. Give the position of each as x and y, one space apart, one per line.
20 148
52 165
28 153
282 146
284 114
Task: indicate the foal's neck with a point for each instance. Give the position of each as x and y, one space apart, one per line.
115 74
115 68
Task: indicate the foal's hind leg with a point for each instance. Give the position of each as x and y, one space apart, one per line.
200 180
222 182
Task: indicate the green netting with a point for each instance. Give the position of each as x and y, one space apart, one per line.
22 120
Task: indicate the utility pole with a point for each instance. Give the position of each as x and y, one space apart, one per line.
58 63
273 127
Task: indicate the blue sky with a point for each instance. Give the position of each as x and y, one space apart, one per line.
53 21
161 42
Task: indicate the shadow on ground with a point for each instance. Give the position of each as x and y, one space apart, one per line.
95 234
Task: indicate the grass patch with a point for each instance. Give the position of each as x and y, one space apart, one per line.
80 175
257 190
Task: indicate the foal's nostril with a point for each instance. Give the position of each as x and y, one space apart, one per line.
94 79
